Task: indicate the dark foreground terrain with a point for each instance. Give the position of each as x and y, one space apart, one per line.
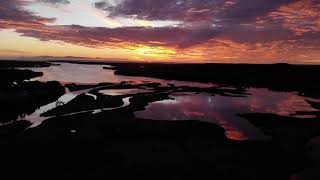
18 96
114 144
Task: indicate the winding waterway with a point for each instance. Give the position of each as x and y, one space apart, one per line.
222 110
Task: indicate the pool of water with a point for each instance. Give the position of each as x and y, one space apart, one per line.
224 110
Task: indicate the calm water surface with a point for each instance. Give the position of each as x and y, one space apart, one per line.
116 92
223 110
217 109
93 74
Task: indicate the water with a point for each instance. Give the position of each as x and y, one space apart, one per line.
116 92
217 109
224 110
94 74
36 119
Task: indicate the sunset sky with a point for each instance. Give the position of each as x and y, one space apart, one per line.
232 31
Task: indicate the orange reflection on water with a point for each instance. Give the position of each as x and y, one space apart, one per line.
236 135
224 110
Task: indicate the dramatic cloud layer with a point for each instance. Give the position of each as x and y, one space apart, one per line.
192 10
208 29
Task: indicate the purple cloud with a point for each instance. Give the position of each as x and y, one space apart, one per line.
11 11
192 10
230 21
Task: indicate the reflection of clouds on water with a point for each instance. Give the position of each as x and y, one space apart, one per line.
280 103
223 110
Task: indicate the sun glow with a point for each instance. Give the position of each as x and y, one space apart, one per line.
158 53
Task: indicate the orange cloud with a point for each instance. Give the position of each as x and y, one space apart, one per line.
300 16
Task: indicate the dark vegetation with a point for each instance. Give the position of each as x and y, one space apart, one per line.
11 77
114 144
77 104
19 96
282 77
28 97
17 64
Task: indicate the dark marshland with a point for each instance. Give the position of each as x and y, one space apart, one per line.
142 120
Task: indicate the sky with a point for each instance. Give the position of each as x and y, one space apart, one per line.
195 31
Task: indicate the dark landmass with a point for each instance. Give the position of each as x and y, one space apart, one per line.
97 62
27 97
310 113
114 144
279 77
76 87
10 77
290 129
16 64
293 134
282 77
293 129
314 104
12 129
19 96
77 104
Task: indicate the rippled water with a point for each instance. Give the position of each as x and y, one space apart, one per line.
184 106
